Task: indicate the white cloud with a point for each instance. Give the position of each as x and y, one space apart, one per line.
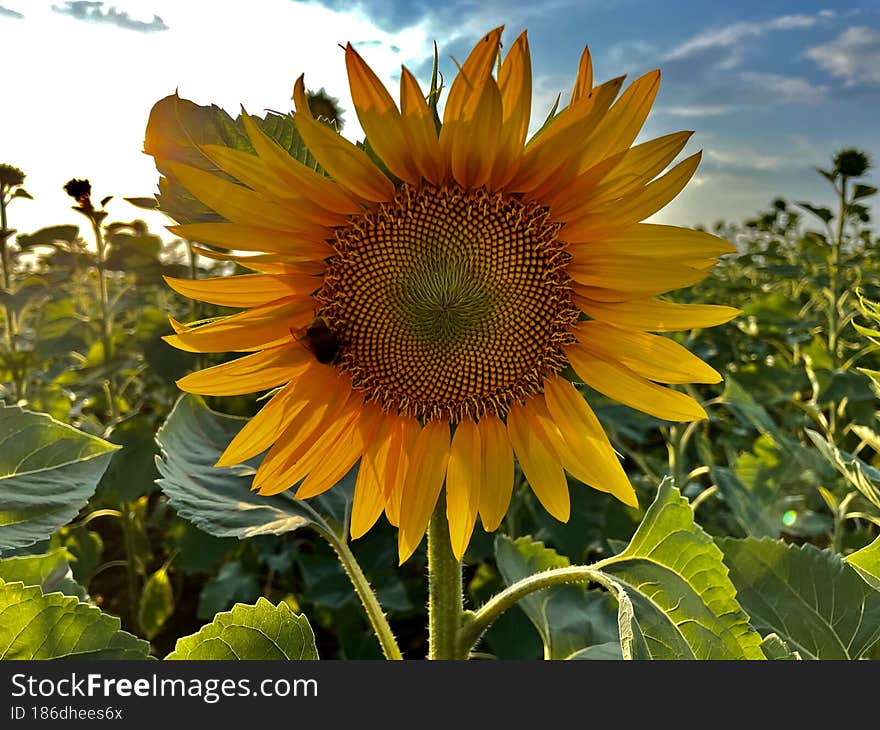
78 104
696 110
728 39
785 89
853 56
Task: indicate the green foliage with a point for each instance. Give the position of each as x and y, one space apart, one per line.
262 631
219 501
48 471
55 626
784 475
810 598
685 604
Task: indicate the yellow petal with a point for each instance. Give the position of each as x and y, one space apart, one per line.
515 85
349 166
634 207
472 115
369 495
656 315
236 202
583 84
305 181
306 245
335 460
652 356
497 479
273 263
464 478
620 126
548 164
253 172
249 374
379 117
302 403
302 443
640 164
639 276
586 440
403 441
424 479
249 290
539 461
420 130
650 240
474 138
623 385
254 329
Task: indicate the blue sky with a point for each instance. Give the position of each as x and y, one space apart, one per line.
771 88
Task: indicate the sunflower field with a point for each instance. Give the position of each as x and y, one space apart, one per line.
440 392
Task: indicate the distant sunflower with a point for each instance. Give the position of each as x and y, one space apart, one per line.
423 323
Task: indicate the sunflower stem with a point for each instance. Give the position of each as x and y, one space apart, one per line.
372 608
445 604
480 620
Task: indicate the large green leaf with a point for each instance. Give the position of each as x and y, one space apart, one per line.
48 471
220 501
50 571
263 631
55 626
573 621
810 598
684 601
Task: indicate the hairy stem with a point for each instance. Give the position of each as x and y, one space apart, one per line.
445 605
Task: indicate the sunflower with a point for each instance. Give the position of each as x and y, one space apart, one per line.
424 309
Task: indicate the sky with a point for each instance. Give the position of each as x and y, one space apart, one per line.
771 87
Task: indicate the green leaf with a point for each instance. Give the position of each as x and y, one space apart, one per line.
822 212
863 191
263 631
776 649
573 621
156 604
85 546
219 501
862 476
232 584
49 236
684 601
810 598
50 571
55 626
22 193
48 471
867 563
132 471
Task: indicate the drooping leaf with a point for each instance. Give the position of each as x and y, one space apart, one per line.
685 604
263 631
821 212
48 471
51 571
156 603
219 501
810 598
48 236
55 626
573 621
